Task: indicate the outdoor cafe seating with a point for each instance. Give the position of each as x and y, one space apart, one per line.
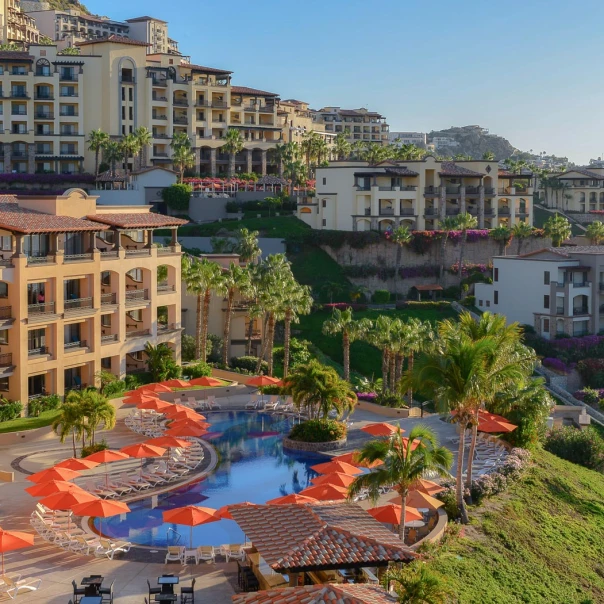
165 590
92 591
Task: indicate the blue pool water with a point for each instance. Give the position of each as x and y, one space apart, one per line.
252 467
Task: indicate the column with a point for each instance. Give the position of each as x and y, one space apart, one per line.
118 239
174 239
197 151
462 199
248 157
8 152
512 211
263 162
213 161
442 209
148 239
31 158
481 207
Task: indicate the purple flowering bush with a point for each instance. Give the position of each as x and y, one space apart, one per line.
367 396
509 471
468 268
556 365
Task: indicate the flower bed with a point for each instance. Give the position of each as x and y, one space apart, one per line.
556 365
468 268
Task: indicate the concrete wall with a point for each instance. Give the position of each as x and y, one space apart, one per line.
268 245
207 209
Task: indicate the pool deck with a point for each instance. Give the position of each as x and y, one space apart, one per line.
57 568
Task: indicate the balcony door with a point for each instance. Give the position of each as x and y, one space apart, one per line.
36 245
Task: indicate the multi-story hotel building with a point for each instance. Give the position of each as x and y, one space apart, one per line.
155 33
15 25
359 124
556 290
577 190
81 291
297 121
354 195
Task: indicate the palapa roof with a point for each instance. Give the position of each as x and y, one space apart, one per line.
22 220
323 535
269 179
137 220
253 91
449 168
346 593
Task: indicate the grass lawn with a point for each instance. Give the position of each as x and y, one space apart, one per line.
364 358
276 226
29 423
540 542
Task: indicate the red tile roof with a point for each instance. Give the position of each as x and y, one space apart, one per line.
246 90
22 220
401 171
114 38
357 113
15 55
583 172
319 594
319 536
449 168
203 69
137 221
8 199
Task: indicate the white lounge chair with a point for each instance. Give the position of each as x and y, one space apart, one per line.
205 553
13 588
175 553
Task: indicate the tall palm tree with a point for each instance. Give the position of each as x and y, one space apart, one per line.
488 156
145 138
95 409
380 336
112 153
418 337
71 421
247 245
595 232
235 280
233 144
400 236
342 322
180 139
445 226
342 146
130 147
465 221
97 139
521 231
318 389
416 584
503 235
183 157
558 228
403 464
280 153
297 301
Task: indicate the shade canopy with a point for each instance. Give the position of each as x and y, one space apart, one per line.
107 456
187 421
67 499
495 427
381 429
326 492
54 474
191 431
293 498
263 380
185 415
353 459
12 540
176 408
139 397
101 508
73 463
329 467
206 381
176 384
191 515
417 499
154 404
169 442
427 486
391 513
154 388
142 450
44 489
336 478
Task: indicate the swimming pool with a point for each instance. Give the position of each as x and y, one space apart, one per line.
252 467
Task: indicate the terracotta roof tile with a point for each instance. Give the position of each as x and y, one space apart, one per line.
203 69
584 172
246 90
449 168
137 220
15 55
319 594
321 535
22 220
8 199
114 38
402 171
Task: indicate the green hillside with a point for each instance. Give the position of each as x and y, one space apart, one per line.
541 542
68 4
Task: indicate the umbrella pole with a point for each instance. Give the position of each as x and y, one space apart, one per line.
191 538
2 562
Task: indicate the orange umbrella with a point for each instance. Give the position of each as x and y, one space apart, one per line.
381 429
183 416
154 404
12 540
329 467
176 384
101 508
353 459
495 427
142 451
206 381
191 515
188 422
73 463
391 513
325 492
139 397
66 500
169 442
153 388
192 431
54 474
262 380
174 409
293 498
417 499
224 511
43 489
336 478
427 486
107 456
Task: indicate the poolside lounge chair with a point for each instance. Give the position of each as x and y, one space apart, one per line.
82 545
235 552
13 588
205 553
175 554
110 548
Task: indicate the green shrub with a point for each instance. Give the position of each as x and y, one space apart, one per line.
44 403
198 370
449 498
591 397
135 380
381 296
270 389
177 196
248 364
452 292
114 389
318 431
10 410
214 351
187 348
299 354
90 449
469 301
583 447
387 399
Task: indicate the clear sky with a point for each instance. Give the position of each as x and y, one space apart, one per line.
527 70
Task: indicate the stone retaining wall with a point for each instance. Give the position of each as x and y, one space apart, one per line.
298 445
389 411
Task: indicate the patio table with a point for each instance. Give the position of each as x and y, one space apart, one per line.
91 600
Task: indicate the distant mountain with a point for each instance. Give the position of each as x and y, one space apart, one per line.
56 5
471 140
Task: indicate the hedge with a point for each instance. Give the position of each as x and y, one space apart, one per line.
318 431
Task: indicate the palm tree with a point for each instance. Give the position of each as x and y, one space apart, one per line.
247 245
309 148
97 139
233 145
558 228
503 235
145 138
416 584
160 361
595 232
380 336
95 410
403 464
400 236
332 288
71 421
180 139
318 389
488 156
341 146
130 147
418 337
465 221
296 300
112 152
183 158
521 231
235 280
342 322
445 226
280 154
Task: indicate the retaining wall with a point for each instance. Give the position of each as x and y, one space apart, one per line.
389 411
298 445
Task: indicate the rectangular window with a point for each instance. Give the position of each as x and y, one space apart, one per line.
324 203
4 384
131 112
130 94
545 325
4 337
496 274
324 222
36 339
495 297
479 302
546 301
546 278
123 94
488 303
3 289
123 113
105 320
325 181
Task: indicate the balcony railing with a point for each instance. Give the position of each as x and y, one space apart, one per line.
44 115
407 212
77 304
159 117
137 295
181 120
386 212
583 310
109 254
432 191
107 339
164 288
6 359
489 190
76 257
37 352
6 313
138 333
139 251
44 308
180 103
166 250
43 96
362 188
560 311
68 77
166 327
76 344
108 299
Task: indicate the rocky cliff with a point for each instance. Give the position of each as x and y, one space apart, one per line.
473 141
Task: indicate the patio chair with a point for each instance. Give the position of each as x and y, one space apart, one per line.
83 545
106 593
235 552
175 554
214 406
205 553
110 548
187 594
152 590
13 588
77 591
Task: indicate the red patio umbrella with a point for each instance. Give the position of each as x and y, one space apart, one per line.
153 388
336 478
143 451
66 500
107 456
191 431
427 486
181 423
326 492
73 463
169 442
176 383
139 397
329 467
353 459
186 416
381 429
12 540
191 515
224 511
417 499
43 489
293 498
206 381
262 380
176 408
495 427
101 508
391 513
154 404
54 474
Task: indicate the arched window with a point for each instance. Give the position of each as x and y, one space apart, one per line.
43 67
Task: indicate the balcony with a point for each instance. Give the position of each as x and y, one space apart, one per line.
167 327
139 251
432 191
166 250
407 212
77 345
159 99
108 299
37 260
164 288
72 114
68 77
109 339
159 83
78 306
137 297
201 103
70 132
489 190
386 212
44 115
359 188
38 352
110 255
181 120
180 103
159 117
43 96
87 257
6 364
581 310
6 315
219 104
138 333
504 211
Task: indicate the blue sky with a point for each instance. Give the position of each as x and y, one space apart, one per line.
527 70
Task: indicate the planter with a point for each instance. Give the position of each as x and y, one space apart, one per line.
299 445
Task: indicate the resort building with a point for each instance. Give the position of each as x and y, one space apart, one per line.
297 121
83 291
359 125
576 190
357 196
154 32
15 25
408 138
556 290
246 332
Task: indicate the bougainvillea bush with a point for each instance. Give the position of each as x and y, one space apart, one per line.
556 365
